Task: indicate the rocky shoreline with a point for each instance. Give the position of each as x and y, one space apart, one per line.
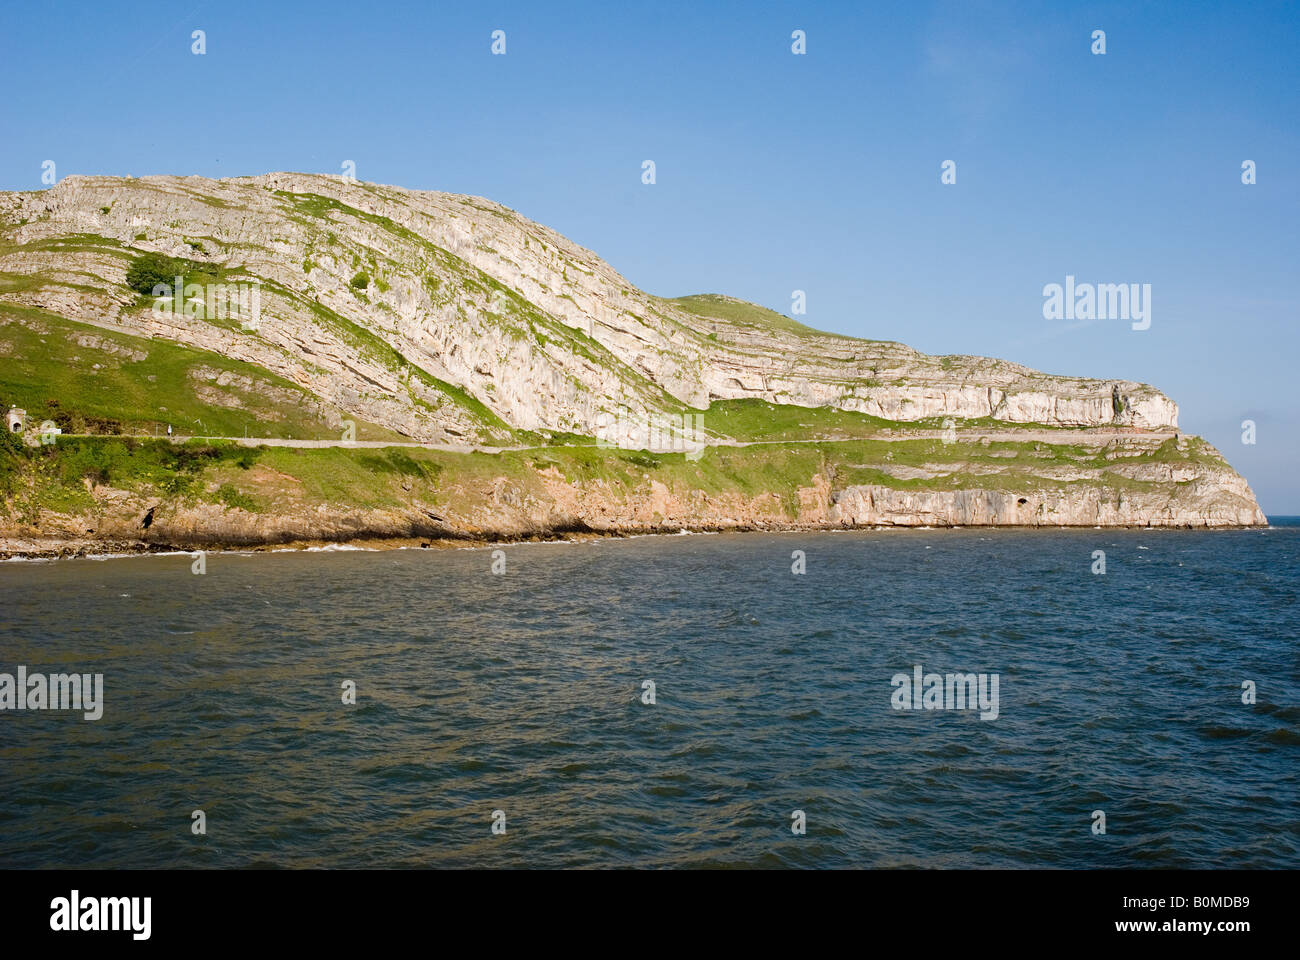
56 548
562 494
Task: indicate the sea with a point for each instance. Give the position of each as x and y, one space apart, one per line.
1122 698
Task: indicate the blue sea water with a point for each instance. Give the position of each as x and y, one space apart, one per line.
522 692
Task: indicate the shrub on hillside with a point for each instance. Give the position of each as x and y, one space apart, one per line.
150 269
12 455
12 443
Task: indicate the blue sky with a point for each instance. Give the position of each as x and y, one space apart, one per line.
775 172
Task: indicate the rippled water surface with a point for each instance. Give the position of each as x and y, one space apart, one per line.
522 693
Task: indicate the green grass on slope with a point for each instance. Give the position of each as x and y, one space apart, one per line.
751 419
319 207
59 477
743 314
102 387
289 480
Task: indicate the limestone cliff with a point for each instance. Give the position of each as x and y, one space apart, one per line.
447 323
540 330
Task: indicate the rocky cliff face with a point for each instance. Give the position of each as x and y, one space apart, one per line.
463 291
453 321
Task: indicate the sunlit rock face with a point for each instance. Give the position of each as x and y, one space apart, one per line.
455 320
378 299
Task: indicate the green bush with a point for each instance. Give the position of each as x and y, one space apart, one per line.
12 443
360 281
150 269
75 461
229 495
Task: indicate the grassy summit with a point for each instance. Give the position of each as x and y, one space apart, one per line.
741 313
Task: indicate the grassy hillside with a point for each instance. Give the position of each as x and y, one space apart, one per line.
87 379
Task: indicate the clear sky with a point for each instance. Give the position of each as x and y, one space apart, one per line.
775 172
